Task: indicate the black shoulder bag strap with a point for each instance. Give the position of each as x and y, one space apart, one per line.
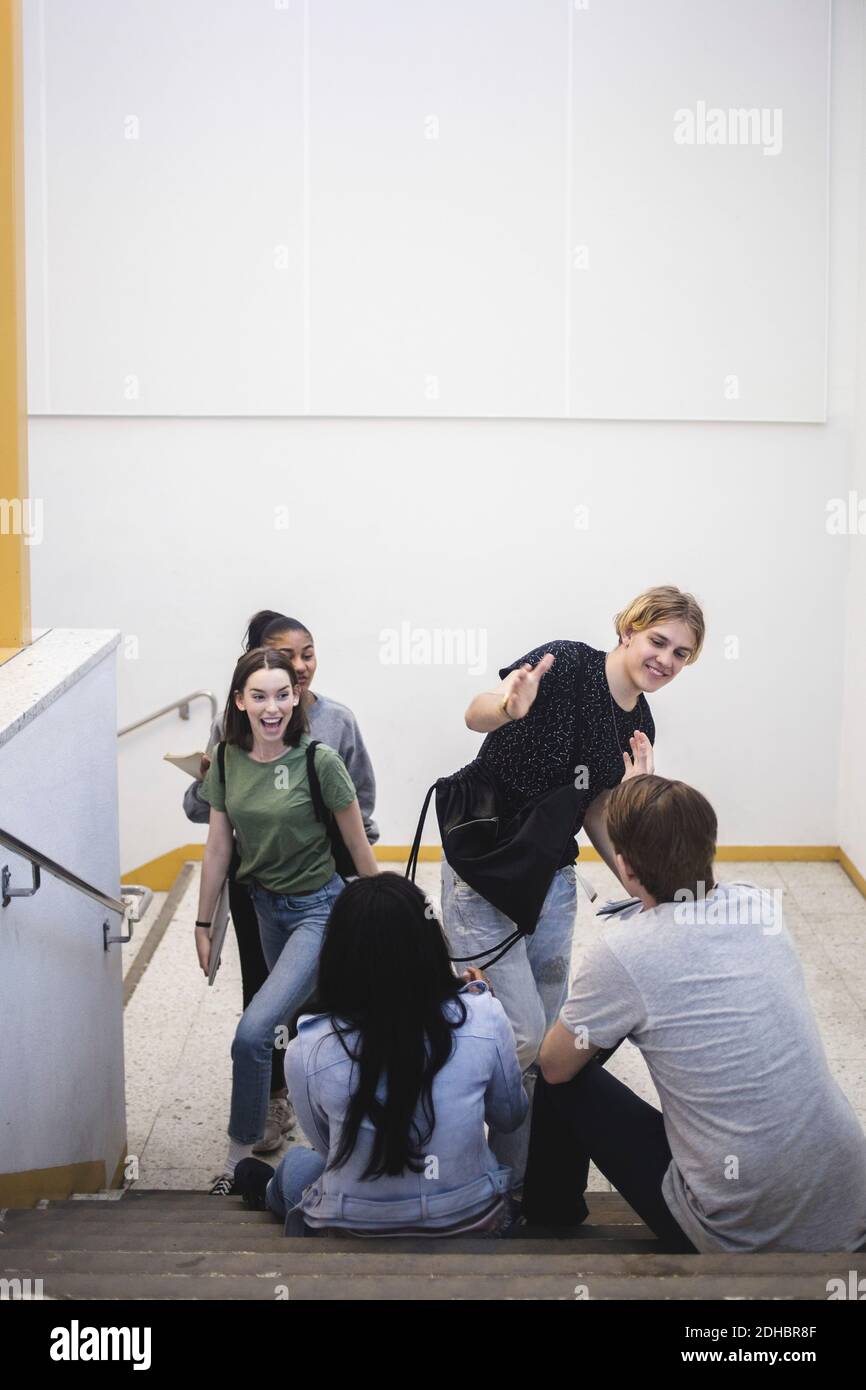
321 811
343 861
412 862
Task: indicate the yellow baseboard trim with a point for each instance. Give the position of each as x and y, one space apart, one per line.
391 854
788 853
741 853
119 1172
159 874
29 1187
853 872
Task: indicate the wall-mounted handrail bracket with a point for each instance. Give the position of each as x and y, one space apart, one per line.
130 906
115 940
10 893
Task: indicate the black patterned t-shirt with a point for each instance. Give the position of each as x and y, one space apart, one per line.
574 724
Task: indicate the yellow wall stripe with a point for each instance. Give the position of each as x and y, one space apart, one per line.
159 874
14 559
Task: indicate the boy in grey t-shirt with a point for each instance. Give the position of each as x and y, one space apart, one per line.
756 1147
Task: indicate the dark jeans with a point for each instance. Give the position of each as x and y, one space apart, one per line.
596 1117
254 971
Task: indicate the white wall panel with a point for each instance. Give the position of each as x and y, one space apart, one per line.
473 208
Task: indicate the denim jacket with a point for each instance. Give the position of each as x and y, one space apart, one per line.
461 1178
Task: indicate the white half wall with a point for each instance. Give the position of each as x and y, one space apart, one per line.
61 1007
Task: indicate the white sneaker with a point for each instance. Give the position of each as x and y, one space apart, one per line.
281 1118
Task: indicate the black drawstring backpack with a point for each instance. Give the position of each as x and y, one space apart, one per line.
510 862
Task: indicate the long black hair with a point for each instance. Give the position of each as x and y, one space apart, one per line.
384 973
266 624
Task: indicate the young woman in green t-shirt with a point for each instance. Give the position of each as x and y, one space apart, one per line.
285 861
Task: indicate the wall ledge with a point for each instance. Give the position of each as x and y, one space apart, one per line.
32 679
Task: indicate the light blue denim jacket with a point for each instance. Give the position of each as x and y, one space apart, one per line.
461 1178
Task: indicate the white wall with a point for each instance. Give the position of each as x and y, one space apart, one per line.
852 755
60 991
166 529
471 208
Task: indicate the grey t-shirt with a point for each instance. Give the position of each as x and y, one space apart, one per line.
767 1152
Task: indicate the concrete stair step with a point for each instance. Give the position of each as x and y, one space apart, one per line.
305 1257
196 1237
429 1286
155 1244
99 1213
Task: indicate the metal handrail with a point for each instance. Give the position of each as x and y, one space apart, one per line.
182 705
128 911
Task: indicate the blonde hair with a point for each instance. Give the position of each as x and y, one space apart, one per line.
664 604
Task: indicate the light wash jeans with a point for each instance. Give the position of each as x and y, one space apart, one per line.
291 929
530 981
297 1169
300 1167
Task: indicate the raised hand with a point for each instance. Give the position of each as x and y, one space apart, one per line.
524 686
640 759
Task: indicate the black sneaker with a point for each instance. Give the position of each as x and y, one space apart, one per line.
224 1186
252 1176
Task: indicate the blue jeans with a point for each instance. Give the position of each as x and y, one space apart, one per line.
297 1169
530 981
291 930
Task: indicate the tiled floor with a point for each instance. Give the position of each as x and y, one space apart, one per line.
179 1030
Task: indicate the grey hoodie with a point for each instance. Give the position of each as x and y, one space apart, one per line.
330 723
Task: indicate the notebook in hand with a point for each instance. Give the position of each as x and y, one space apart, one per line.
190 763
218 927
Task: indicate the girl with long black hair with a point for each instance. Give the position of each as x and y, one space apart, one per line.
394 1080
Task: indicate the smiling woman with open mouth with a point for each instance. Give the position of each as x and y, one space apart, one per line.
260 786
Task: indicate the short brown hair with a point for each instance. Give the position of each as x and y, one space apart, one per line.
236 723
667 832
664 604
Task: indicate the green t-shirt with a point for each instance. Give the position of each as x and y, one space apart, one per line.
281 844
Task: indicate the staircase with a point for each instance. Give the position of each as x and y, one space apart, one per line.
157 1244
